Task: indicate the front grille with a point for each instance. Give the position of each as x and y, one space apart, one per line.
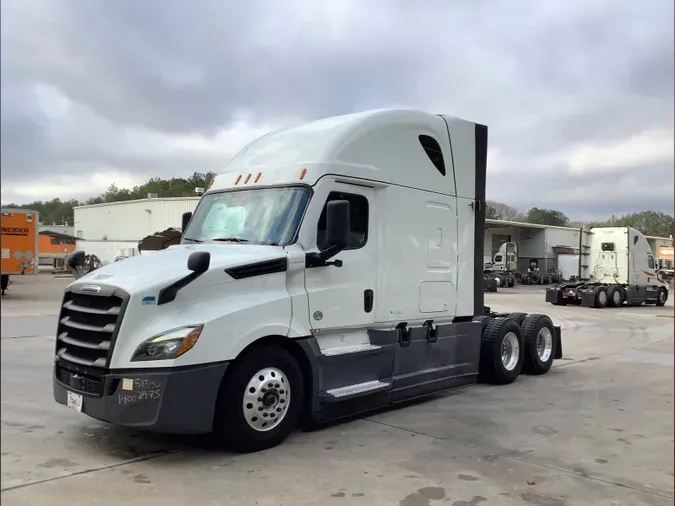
87 327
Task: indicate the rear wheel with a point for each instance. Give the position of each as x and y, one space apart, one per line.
260 400
502 351
539 345
600 297
483 318
614 296
534 278
519 318
662 297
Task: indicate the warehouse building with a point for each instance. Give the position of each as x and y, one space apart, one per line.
540 247
114 229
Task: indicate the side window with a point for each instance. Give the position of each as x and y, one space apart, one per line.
650 261
358 218
498 258
433 151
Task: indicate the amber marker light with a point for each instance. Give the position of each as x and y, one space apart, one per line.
236 181
247 178
302 174
210 184
257 177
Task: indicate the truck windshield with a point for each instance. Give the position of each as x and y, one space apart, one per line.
265 216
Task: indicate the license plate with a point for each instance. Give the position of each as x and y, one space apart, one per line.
75 401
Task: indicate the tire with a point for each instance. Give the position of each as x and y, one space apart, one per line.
615 296
499 280
519 318
501 333
601 297
539 344
510 282
534 278
525 279
483 318
662 297
238 424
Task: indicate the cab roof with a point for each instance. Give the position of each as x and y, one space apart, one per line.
389 146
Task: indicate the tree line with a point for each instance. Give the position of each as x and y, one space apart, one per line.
61 211
654 223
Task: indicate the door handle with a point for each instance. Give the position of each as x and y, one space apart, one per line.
368 298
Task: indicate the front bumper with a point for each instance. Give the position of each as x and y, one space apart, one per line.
181 400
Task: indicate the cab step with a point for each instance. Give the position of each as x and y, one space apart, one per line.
356 390
345 350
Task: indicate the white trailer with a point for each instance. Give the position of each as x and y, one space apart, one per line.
616 266
333 268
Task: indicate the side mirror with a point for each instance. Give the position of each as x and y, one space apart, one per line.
76 259
337 225
199 261
184 221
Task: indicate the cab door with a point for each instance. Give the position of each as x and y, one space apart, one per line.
342 296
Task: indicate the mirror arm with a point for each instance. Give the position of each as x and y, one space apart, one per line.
320 259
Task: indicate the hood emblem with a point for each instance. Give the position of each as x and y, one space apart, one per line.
91 288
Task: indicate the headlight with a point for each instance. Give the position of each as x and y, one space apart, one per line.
167 345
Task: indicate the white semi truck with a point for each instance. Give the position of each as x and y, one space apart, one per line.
616 266
504 266
331 269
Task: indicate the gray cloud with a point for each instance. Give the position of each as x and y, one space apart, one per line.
88 85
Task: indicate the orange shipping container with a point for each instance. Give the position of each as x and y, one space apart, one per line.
19 241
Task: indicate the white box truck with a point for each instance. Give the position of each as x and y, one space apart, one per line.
331 269
617 267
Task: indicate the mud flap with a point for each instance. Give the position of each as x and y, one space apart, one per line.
554 296
557 342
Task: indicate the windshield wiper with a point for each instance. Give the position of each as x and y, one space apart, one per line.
230 239
191 240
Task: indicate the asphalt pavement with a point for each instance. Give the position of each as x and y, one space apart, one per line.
596 430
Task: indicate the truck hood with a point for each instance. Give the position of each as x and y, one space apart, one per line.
166 266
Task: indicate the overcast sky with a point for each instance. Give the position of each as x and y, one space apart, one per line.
578 94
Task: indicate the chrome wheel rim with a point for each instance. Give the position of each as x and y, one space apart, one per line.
602 297
662 296
266 399
544 344
510 351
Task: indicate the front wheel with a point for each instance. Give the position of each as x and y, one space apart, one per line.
260 400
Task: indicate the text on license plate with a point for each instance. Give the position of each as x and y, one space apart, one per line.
75 401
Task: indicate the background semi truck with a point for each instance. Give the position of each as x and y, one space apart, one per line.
504 269
333 268
617 266
19 244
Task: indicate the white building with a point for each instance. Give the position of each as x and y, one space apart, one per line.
114 228
539 246
657 242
